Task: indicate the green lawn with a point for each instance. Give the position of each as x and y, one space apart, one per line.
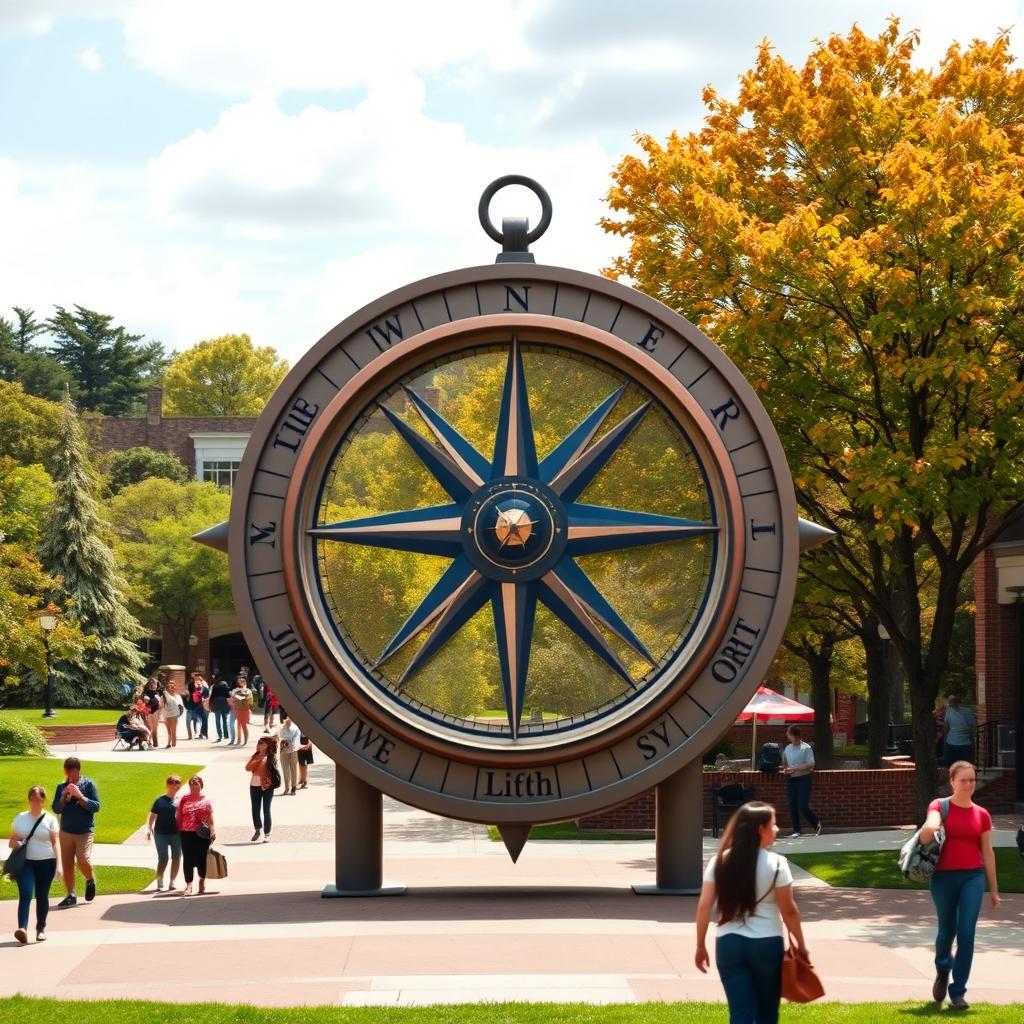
65 716
137 1011
877 869
109 881
569 830
127 790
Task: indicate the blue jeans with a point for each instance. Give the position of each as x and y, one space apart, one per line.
221 719
35 880
261 799
798 791
194 719
167 847
953 753
751 973
231 725
957 897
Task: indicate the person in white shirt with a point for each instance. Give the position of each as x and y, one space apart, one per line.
798 763
290 739
750 890
41 863
173 709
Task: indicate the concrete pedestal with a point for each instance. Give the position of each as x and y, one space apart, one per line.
679 835
358 840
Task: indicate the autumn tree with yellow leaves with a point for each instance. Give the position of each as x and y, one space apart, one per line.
851 233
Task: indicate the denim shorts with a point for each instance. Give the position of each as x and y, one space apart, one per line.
167 846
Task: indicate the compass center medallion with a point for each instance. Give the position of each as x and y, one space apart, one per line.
514 530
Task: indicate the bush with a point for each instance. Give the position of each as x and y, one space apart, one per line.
135 464
19 738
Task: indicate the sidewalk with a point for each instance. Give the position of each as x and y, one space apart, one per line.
560 925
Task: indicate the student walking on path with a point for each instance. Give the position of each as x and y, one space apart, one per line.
162 828
305 760
219 692
195 823
798 763
39 830
76 802
241 705
264 778
958 882
174 708
750 892
271 706
290 739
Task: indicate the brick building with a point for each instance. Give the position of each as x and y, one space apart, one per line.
211 447
999 642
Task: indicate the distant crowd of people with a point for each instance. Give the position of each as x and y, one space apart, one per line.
231 706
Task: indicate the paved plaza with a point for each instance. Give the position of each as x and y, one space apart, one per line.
560 925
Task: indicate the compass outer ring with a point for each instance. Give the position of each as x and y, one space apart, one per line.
382 373
598 798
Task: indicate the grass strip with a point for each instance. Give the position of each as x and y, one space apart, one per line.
877 869
109 882
136 1011
570 830
65 716
127 789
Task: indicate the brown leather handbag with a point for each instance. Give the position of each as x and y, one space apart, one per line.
800 981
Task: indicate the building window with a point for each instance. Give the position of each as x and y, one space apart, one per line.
221 472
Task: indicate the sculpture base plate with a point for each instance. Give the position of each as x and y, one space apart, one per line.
331 892
657 890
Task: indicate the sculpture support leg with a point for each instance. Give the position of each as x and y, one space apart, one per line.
679 834
358 839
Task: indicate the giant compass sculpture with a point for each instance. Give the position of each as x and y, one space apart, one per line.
514 544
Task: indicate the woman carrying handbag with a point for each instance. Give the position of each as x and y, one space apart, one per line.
34 864
750 891
195 824
958 882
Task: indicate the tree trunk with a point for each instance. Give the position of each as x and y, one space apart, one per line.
878 693
922 702
820 663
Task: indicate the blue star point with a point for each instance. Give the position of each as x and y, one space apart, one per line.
524 496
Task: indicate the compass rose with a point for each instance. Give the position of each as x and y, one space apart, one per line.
513 529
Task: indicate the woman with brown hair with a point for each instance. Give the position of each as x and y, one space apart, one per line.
264 778
195 824
958 882
37 830
749 889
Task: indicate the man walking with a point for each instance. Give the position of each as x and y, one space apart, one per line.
76 802
959 725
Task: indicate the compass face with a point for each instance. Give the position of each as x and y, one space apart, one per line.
515 547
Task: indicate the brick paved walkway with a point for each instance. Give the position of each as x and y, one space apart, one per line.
560 925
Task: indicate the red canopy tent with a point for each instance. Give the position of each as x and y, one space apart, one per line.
766 704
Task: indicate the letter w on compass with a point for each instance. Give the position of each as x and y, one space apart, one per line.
513 530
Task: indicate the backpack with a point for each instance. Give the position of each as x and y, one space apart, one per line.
770 758
917 860
275 776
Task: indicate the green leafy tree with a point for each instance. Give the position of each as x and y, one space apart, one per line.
135 464
25 496
23 361
850 231
23 590
29 426
226 376
172 579
111 368
90 589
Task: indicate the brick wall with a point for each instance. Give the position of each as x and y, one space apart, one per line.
165 435
852 799
994 626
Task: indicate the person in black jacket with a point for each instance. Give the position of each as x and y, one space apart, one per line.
76 802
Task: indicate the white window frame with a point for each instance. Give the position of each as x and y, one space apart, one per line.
212 446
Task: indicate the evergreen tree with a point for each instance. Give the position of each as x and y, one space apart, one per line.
91 589
26 363
111 367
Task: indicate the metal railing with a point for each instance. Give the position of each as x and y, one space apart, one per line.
986 745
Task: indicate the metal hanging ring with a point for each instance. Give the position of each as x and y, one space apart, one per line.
515 179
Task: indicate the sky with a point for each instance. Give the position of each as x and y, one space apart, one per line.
207 167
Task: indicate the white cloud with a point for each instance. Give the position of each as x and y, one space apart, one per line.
90 59
244 47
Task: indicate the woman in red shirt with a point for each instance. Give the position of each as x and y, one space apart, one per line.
195 824
958 883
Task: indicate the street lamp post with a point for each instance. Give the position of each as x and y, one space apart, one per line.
48 622
883 635
1018 667
193 643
